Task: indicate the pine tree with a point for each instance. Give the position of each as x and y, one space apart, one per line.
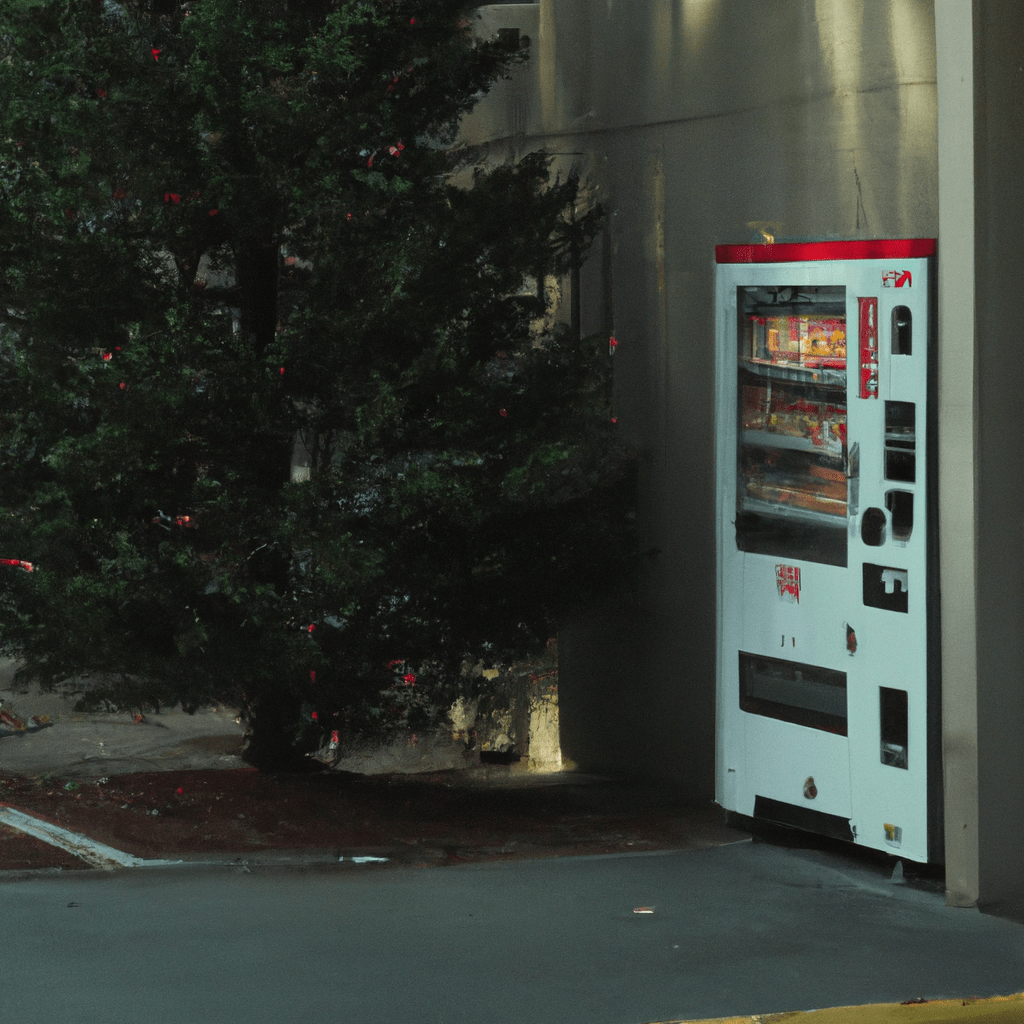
237 223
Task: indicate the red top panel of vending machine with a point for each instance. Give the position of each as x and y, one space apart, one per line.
798 252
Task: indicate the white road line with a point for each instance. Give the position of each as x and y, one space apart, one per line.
97 854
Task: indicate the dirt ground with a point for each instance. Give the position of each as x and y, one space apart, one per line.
174 786
429 820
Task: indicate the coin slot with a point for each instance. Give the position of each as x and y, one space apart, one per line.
902 326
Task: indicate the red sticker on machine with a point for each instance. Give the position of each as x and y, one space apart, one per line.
868 347
897 279
787 579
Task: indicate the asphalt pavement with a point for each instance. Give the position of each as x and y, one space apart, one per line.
741 929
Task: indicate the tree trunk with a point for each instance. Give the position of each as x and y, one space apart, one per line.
270 735
257 282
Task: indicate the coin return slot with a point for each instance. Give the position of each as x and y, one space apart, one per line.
902 324
901 513
892 706
900 441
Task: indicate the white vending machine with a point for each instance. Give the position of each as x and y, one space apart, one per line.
828 713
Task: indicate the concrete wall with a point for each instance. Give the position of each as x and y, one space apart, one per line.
711 121
703 122
957 414
999 287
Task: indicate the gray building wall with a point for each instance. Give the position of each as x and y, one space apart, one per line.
702 123
717 121
999 286
957 402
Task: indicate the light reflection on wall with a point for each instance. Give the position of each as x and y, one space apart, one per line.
840 38
912 35
698 22
546 66
912 28
663 48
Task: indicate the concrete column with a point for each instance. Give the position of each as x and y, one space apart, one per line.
957 442
999 286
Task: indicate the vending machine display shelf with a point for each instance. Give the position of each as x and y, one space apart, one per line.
771 439
785 506
900 437
799 373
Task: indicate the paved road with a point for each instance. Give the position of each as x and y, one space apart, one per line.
747 928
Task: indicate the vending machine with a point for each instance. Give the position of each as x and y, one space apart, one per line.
827 713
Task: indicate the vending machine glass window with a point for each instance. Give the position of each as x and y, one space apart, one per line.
793 467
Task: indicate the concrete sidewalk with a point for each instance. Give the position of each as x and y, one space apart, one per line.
823 930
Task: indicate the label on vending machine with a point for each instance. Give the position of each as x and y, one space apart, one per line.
868 347
787 579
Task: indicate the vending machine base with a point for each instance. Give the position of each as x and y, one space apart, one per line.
804 818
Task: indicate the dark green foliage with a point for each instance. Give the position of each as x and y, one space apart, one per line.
228 225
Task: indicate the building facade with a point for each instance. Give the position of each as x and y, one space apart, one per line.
711 122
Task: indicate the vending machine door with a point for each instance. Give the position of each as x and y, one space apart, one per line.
823 667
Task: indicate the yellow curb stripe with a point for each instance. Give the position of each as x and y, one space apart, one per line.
994 1010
